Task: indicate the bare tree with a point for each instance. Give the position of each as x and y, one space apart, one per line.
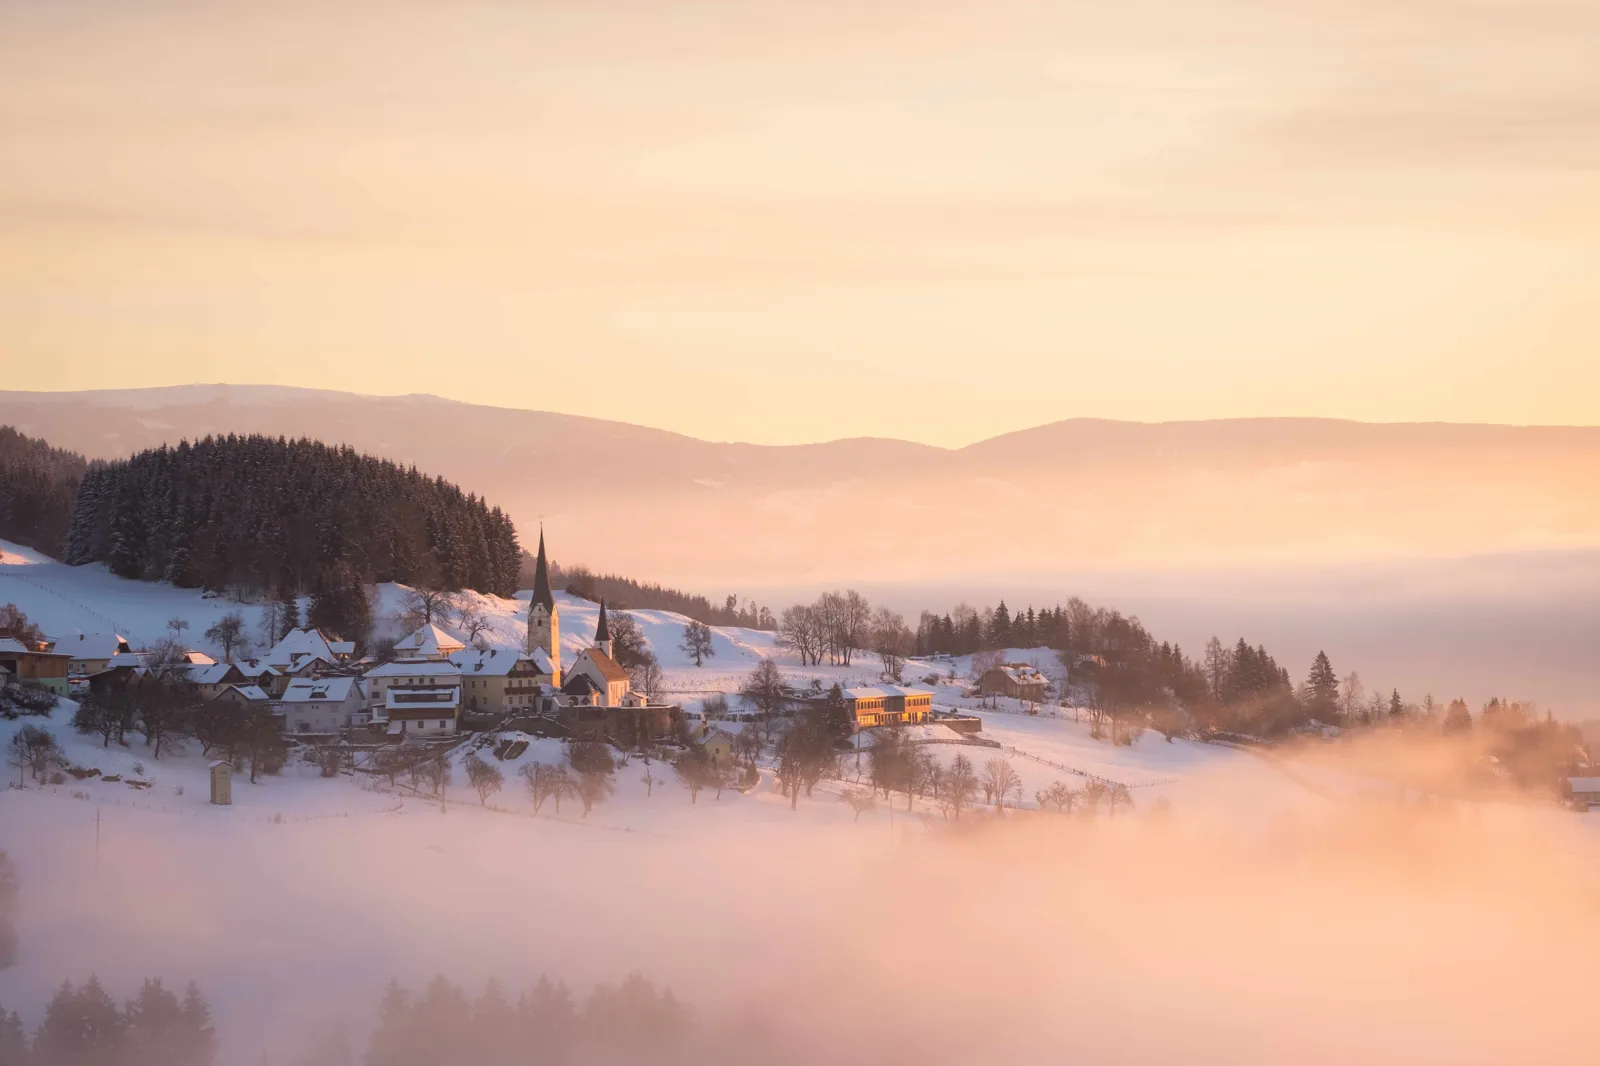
860 802
425 606
1000 781
1117 795
541 781
697 642
592 787
472 624
228 634
800 629
891 640
648 677
960 785
648 779
435 772
1058 795
695 771
485 778
33 749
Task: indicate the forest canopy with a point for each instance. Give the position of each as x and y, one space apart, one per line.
37 486
256 514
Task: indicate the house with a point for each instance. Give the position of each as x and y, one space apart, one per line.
300 647
428 642
196 657
1020 681
322 705
36 663
422 713
502 681
608 684
409 673
1585 790
877 705
257 672
244 695
208 680
717 743
91 652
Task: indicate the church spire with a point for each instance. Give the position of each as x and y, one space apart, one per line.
541 578
602 632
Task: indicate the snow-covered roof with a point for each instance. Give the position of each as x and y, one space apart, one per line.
429 641
882 692
209 673
1023 673
92 645
416 668
253 693
299 645
196 657
497 662
1584 784
320 690
255 668
124 658
13 646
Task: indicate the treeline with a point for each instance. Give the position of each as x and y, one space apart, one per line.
38 484
628 594
84 1026
257 515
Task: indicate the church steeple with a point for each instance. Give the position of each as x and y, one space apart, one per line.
602 631
544 620
541 578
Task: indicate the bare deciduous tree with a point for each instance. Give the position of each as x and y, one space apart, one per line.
697 642
999 782
485 778
33 749
861 802
228 634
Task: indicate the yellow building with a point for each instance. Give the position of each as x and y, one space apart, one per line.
887 705
500 681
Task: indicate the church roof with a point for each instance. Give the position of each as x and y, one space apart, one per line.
541 579
602 631
605 664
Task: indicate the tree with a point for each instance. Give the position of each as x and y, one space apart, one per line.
960 785
33 749
1350 700
764 690
1322 690
593 787
261 741
891 640
427 606
10 894
861 802
800 629
228 634
1218 663
1115 796
472 624
485 778
80 1025
629 649
648 779
543 783
1397 708
291 610
648 677
695 770
176 626
15 624
1059 795
697 642
1457 718
1000 781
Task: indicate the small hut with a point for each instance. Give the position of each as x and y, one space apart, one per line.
222 783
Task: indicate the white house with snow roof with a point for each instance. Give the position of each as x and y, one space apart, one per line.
299 649
428 642
502 681
322 705
408 674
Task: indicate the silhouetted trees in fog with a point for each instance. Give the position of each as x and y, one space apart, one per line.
83 1026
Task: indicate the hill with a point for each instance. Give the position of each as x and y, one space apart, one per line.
1078 495
38 484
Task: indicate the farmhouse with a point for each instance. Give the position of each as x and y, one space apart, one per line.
208 680
409 673
244 696
36 663
1020 681
299 649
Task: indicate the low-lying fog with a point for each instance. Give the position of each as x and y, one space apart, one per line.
1273 930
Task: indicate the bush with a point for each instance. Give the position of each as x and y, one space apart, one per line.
20 700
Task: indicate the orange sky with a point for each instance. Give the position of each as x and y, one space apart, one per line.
784 221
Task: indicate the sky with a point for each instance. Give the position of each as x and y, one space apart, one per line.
783 221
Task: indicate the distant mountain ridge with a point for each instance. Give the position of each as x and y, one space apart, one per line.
1078 494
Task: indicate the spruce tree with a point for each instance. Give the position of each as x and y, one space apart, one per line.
1322 689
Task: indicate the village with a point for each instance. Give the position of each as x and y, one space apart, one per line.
433 694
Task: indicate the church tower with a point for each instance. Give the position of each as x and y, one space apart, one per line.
544 618
602 632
